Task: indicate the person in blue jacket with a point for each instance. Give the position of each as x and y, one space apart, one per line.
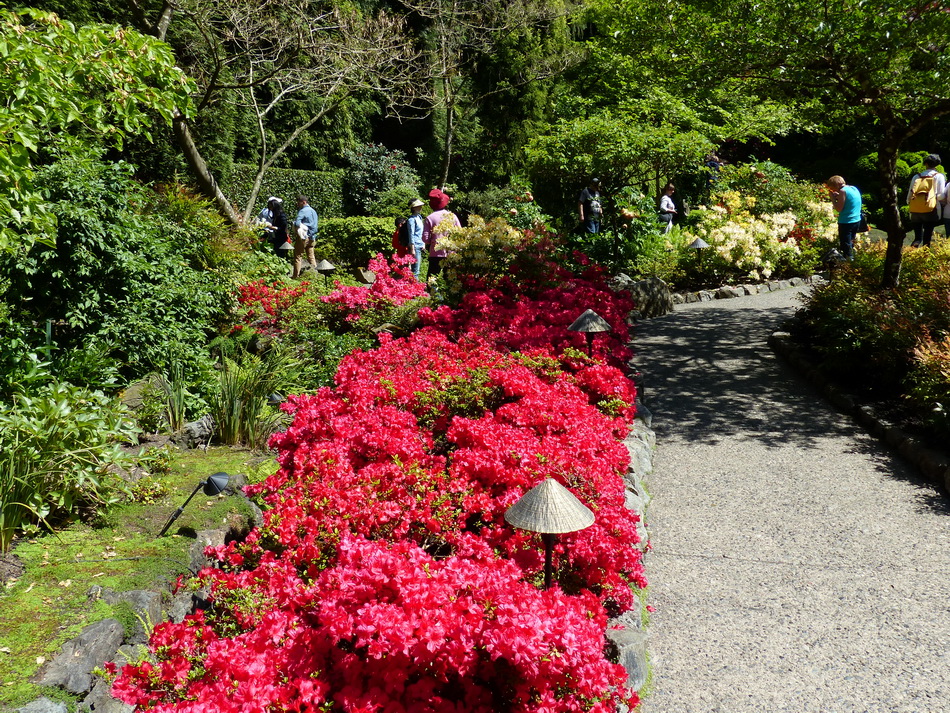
846 201
306 228
416 228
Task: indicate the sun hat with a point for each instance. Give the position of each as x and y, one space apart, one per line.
275 198
438 199
416 203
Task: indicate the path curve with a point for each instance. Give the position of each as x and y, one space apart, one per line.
798 564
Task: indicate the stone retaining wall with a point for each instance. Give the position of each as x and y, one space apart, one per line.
626 632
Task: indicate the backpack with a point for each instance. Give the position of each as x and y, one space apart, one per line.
923 197
404 237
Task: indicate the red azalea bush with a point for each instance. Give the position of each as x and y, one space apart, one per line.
386 628
384 577
265 304
511 319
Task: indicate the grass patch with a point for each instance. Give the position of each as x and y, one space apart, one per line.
49 605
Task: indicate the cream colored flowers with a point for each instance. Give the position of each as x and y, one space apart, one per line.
480 250
753 244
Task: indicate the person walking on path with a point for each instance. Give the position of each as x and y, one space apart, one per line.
846 201
797 565
922 200
306 226
589 208
439 222
667 207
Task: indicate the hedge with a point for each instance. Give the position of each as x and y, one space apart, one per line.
323 188
353 241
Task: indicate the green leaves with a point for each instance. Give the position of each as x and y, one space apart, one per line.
614 147
56 443
95 82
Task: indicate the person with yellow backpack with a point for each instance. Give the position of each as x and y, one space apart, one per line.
923 193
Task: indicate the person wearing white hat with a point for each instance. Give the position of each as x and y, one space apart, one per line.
416 227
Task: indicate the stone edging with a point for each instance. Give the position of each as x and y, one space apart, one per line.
728 292
626 631
933 465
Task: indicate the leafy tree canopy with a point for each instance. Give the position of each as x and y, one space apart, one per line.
832 61
620 151
66 84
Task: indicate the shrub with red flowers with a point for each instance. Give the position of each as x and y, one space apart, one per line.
265 304
384 577
510 319
386 628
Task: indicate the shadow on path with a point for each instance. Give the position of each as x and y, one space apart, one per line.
710 375
799 565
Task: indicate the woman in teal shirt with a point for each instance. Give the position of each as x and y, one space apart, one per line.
846 200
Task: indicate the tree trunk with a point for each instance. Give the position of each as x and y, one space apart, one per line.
887 170
449 133
199 168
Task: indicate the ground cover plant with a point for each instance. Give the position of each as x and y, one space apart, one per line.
384 577
45 581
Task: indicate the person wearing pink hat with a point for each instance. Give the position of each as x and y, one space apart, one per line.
437 224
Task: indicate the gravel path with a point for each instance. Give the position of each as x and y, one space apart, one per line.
798 563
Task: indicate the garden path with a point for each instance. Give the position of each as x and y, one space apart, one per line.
798 563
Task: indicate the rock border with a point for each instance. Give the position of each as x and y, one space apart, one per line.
74 667
731 291
933 465
626 633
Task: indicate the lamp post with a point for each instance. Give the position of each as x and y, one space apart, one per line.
699 245
550 509
325 267
590 323
212 486
832 260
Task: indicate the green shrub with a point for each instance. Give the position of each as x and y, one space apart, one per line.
132 270
57 442
319 348
515 203
636 246
889 341
394 203
772 188
323 188
374 170
353 241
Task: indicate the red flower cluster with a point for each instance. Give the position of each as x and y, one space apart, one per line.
265 304
803 233
384 577
506 317
387 628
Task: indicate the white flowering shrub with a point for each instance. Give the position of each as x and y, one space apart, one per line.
482 252
744 245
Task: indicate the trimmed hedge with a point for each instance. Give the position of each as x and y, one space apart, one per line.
323 188
353 241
